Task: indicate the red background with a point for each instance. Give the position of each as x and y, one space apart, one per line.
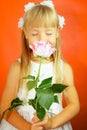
74 45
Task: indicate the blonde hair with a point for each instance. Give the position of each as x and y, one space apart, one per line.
37 16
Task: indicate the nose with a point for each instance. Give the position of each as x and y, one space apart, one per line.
42 36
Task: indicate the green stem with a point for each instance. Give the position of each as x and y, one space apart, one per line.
36 104
38 75
3 114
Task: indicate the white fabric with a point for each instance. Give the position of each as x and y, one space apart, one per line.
6 126
26 111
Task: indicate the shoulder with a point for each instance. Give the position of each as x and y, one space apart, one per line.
12 80
67 67
15 65
15 68
68 74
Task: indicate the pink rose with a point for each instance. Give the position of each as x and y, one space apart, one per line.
42 48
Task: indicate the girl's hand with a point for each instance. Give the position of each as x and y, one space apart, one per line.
44 123
36 127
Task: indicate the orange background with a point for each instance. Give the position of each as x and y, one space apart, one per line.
74 45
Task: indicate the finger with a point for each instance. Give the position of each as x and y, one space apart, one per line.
35 127
35 120
44 122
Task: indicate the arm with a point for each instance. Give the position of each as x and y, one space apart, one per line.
9 93
72 101
72 108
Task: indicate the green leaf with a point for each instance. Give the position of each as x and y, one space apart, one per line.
16 102
31 84
30 77
58 88
56 99
45 97
40 111
46 83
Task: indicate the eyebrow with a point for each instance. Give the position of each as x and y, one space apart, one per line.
36 28
46 29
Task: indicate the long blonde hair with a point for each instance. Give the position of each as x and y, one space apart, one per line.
38 16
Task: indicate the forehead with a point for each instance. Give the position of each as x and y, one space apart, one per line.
41 25
41 29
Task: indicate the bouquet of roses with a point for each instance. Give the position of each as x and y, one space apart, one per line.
45 91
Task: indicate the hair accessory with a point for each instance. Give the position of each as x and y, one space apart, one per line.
48 3
61 21
20 23
28 6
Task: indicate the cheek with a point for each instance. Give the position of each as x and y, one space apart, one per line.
53 41
30 41
54 45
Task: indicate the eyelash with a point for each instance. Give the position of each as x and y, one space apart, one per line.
48 33
35 34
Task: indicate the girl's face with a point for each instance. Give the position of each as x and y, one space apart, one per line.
42 33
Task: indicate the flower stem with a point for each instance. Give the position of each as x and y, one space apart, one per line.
38 75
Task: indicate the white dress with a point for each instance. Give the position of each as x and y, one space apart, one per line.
26 111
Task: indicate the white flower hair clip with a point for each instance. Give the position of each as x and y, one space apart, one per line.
48 3
20 23
28 6
61 21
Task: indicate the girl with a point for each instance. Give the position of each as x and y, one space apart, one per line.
40 22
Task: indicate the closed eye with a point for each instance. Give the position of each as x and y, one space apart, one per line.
34 33
49 33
